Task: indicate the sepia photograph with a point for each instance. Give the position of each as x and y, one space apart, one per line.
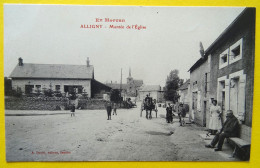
128 83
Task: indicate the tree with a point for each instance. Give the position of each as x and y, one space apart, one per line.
173 82
8 86
115 95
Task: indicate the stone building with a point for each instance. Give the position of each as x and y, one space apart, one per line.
232 76
153 91
32 78
199 91
227 72
184 93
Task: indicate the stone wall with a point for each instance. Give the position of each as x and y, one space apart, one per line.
50 103
36 103
91 104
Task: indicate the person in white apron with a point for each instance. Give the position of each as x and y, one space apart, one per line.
215 120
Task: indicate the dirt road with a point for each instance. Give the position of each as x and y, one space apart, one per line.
91 137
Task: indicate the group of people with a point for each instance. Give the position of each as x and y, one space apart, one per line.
181 113
230 128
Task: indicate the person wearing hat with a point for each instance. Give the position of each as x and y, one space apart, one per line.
230 129
215 120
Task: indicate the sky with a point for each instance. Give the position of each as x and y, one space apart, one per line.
51 34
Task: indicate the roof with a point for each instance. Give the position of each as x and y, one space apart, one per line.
138 83
185 85
56 71
148 88
198 63
116 85
243 18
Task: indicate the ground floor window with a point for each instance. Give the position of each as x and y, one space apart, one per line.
28 89
57 87
73 89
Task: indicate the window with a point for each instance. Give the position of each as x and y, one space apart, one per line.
28 89
80 89
231 54
57 87
38 87
223 61
194 84
235 52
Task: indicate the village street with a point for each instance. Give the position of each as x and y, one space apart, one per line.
89 136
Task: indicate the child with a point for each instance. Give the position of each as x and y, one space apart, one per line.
72 110
114 108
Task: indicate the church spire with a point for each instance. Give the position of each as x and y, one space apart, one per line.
129 72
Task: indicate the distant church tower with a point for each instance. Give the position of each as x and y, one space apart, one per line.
129 79
131 91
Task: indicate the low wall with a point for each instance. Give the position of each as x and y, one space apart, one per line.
50 103
36 103
91 104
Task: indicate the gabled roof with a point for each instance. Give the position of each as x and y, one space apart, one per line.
55 71
138 83
117 86
245 17
185 85
148 88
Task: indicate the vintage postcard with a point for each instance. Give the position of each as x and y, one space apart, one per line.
128 83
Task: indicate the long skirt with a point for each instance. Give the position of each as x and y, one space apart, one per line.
215 123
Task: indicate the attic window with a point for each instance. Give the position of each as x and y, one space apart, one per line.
224 59
236 51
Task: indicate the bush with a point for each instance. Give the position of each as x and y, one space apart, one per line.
15 93
48 93
57 94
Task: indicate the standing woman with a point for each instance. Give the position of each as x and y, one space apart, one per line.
215 120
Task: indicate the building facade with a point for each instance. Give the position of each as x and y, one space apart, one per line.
184 93
232 76
199 91
226 72
35 78
153 91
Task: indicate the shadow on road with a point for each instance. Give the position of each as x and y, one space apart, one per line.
158 133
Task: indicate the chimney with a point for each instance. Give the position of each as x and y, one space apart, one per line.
88 62
20 61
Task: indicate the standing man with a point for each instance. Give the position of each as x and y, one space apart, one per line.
230 129
109 109
181 113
